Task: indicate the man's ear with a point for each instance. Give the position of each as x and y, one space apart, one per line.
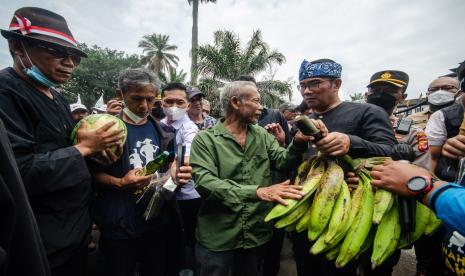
235 102
337 83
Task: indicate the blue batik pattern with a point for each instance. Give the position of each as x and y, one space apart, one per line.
323 69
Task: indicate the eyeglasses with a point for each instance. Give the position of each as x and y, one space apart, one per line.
443 87
60 54
310 85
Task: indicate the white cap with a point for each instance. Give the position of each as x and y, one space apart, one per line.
77 105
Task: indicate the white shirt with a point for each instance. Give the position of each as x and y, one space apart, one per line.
436 129
185 133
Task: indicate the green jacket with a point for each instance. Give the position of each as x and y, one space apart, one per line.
227 177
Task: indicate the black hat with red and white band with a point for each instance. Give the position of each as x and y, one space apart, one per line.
40 25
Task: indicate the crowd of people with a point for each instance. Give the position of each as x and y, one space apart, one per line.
231 172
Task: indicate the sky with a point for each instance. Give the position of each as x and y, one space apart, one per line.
424 38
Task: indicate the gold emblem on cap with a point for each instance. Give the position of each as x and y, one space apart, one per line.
386 76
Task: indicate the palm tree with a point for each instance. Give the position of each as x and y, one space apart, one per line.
172 76
195 36
225 61
157 53
356 97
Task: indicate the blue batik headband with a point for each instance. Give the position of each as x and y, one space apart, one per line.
329 69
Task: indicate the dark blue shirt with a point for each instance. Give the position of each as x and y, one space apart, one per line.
115 210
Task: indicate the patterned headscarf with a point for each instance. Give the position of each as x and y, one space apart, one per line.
329 69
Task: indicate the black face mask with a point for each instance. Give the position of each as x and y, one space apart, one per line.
433 108
158 113
383 100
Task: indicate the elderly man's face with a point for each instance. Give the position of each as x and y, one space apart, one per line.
56 62
444 83
205 107
289 115
249 107
141 100
319 93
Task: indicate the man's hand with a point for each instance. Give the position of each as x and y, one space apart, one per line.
393 176
132 179
277 131
352 180
107 157
279 192
334 144
454 147
93 141
300 138
114 107
184 174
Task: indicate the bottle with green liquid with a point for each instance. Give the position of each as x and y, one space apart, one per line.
156 164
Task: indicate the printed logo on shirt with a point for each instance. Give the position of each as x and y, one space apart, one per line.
144 152
454 254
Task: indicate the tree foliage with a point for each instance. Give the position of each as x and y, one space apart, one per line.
357 97
225 60
97 74
172 76
157 50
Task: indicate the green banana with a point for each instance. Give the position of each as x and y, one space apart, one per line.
332 254
340 218
290 227
309 186
383 203
433 224
320 246
302 171
360 226
293 216
367 244
387 237
302 224
324 200
422 218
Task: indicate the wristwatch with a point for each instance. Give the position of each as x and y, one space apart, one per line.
420 185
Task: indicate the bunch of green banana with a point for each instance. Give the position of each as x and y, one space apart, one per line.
343 224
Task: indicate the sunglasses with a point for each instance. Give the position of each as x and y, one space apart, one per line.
60 53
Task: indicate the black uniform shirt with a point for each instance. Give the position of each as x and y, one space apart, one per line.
54 173
367 125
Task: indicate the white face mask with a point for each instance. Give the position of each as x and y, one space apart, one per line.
136 119
174 113
441 97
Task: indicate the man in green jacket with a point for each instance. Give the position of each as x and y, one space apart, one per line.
231 165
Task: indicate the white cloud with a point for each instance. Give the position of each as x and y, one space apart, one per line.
422 38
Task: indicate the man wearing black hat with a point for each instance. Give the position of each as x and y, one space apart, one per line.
386 90
39 123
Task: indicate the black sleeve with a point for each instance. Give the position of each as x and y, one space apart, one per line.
377 136
44 172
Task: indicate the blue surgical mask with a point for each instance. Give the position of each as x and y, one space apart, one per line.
35 73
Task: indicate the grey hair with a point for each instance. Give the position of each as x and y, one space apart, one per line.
135 78
233 89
